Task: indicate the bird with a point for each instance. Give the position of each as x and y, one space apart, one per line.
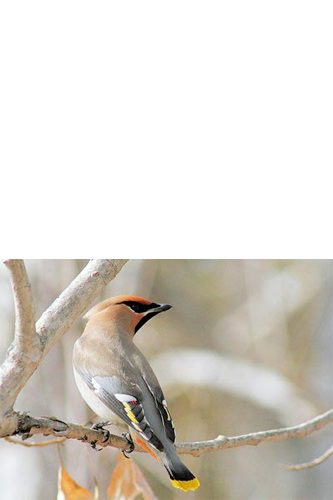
117 382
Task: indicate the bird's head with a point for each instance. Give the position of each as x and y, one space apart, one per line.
129 310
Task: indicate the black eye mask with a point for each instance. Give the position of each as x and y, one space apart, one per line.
138 307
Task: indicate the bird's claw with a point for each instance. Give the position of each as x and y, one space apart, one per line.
100 427
131 445
94 447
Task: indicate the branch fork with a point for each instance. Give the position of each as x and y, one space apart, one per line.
33 341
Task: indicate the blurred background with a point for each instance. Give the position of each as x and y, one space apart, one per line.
247 346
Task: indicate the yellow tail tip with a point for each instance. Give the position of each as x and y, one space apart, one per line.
186 485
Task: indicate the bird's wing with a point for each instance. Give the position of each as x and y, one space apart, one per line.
125 399
152 385
161 404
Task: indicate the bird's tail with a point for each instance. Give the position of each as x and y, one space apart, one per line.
180 476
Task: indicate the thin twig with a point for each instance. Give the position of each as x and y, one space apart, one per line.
308 465
255 438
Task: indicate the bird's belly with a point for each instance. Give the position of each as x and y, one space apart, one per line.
92 400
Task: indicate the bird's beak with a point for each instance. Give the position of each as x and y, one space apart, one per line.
160 308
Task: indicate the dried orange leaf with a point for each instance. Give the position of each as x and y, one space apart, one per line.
128 482
68 489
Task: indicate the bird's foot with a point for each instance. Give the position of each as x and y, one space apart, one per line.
94 447
100 427
130 442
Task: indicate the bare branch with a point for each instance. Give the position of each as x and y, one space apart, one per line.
21 363
25 352
76 299
28 426
308 465
255 438
25 332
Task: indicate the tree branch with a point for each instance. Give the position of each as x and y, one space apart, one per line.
29 426
76 299
25 331
313 463
23 355
253 439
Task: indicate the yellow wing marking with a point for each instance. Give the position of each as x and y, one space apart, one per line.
130 414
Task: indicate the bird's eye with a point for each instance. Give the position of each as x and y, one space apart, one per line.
136 307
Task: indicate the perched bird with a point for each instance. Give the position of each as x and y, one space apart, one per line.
115 379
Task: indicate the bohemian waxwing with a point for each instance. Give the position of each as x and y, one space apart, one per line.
114 378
